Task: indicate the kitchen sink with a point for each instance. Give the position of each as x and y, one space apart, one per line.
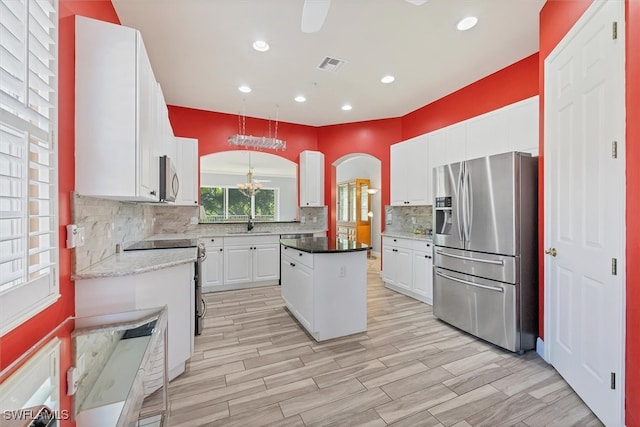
249 232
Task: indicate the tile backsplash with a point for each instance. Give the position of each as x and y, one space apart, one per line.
110 222
408 219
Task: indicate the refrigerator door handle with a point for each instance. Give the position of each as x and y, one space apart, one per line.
468 204
459 200
466 282
486 261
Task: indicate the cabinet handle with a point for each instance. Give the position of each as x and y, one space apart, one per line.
394 240
300 254
196 202
220 249
213 240
292 264
152 192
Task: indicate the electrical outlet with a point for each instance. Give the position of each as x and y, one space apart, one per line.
343 271
413 220
75 236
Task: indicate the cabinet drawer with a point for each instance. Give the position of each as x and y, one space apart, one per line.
422 246
397 242
252 240
296 256
212 241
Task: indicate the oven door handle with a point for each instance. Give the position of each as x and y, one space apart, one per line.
465 258
466 282
204 304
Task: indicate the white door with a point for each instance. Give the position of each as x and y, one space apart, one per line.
584 209
422 276
212 268
404 269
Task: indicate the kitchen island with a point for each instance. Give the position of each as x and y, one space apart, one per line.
324 285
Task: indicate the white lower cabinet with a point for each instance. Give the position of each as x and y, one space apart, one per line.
240 262
213 265
407 266
299 296
326 292
171 286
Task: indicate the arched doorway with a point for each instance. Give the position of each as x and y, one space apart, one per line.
360 165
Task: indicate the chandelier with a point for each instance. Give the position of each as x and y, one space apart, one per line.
250 188
257 142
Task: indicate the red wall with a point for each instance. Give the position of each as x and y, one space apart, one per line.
212 130
511 84
370 137
556 18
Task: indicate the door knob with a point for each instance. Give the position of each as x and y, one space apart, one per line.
551 251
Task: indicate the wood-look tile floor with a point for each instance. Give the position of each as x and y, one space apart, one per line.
255 366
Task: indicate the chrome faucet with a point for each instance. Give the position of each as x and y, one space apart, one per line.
249 224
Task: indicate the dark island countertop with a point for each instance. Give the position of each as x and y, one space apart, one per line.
316 245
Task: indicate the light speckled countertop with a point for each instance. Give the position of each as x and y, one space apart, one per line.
404 235
137 262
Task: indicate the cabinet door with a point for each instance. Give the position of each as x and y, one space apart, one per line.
212 268
486 135
399 174
297 290
148 112
404 268
187 168
389 264
422 276
418 181
522 126
265 262
237 264
311 178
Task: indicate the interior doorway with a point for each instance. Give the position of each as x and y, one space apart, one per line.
363 166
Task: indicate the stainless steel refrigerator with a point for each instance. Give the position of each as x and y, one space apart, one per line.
485 248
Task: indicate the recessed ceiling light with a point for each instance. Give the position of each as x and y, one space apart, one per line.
261 45
467 23
244 89
346 107
300 98
387 79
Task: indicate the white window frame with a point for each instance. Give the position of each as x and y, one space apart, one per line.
26 298
35 383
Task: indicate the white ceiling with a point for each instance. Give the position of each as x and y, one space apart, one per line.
201 52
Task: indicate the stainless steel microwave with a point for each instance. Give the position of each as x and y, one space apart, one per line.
169 182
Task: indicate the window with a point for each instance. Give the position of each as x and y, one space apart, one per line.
229 204
28 172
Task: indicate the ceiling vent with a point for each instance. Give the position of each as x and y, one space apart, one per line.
331 64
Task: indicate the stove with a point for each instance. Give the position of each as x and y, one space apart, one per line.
200 308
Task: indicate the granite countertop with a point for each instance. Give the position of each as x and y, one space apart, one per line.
405 235
316 245
137 262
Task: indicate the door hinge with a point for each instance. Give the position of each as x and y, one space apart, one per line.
614 30
613 380
614 266
614 149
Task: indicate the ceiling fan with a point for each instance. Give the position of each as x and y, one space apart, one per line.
314 13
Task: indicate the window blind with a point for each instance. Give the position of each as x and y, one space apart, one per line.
28 188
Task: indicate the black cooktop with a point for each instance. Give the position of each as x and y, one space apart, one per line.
161 244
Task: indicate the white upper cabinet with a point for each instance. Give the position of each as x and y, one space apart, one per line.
311 178
410 180
119 134
523 125
186 160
